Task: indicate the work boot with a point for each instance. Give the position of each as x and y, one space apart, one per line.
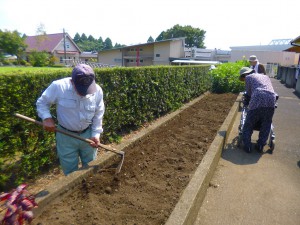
259 148
247 149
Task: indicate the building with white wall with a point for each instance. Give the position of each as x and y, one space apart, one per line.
273 53
147 54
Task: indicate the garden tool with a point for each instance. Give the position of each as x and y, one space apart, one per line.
107 148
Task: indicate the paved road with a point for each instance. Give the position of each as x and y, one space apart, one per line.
259 189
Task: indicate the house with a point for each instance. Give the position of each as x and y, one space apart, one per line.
147 54
61 46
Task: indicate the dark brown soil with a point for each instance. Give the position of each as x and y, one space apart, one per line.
155 173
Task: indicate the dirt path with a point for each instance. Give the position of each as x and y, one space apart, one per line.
154 174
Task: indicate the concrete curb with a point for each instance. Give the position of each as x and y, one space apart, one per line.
186 210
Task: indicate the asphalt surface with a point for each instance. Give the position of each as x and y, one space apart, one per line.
256 188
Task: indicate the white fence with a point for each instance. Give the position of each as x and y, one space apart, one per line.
271 69
73 63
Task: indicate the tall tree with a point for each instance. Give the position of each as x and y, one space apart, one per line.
91 38
107 44
91 44
77 38
150 39
41 30
160 37
99 44
41 34
117 45
83 37
194 36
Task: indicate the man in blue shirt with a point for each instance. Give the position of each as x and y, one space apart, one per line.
80 109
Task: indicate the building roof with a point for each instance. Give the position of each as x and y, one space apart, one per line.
46 42
89 54
295 45
148 43
195 62
262 48
274 45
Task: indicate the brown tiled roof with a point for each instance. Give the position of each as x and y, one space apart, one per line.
43 43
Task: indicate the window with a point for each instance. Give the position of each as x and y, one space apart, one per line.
61 59
117 60
67 44
157 55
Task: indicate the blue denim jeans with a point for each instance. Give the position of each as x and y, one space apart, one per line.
70 150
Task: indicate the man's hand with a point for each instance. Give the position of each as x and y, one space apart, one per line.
49 124
96 142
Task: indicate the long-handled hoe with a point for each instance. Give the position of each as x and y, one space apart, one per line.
121 153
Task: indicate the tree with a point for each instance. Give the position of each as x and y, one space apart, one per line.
117 45
107 44
39 59
77 38
150 39
91 44
41 34
99 44
41 30
88 46
91 38
12 43
194 36
161 36
83 37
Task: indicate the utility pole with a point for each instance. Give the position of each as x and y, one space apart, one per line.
65 52
137 56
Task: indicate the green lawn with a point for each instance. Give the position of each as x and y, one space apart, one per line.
9 70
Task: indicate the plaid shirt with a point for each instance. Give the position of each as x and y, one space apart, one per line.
260 89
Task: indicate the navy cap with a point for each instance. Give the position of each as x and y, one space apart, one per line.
83 78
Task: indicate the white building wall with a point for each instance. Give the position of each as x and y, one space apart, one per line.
111 57
161 53
265 57
177 49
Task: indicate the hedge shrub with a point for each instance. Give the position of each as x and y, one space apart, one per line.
132 97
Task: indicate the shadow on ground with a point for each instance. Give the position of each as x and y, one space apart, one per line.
237 156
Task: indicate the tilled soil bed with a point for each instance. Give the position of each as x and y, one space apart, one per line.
155 172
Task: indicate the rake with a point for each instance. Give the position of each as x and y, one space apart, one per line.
107 148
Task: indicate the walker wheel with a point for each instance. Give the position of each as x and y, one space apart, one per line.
272 145
239 141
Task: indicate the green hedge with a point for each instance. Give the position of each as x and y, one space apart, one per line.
225 78
132 97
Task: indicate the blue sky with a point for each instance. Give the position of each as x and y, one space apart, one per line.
227 23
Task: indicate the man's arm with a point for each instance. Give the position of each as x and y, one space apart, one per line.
43 107
262 69
98 117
